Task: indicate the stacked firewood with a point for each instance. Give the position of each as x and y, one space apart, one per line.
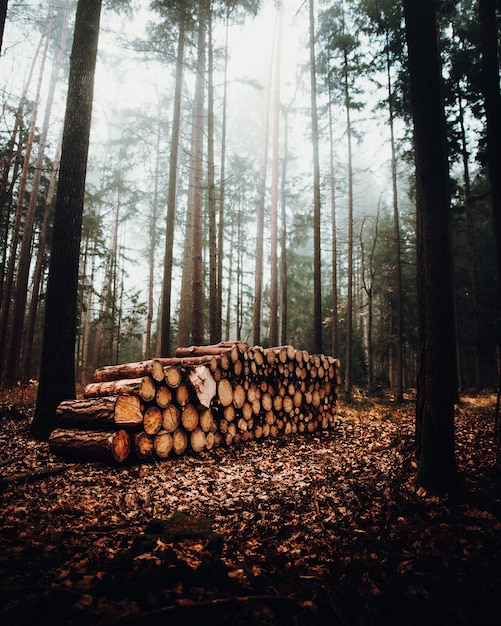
203 397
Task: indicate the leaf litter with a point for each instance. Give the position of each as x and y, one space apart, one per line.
324 528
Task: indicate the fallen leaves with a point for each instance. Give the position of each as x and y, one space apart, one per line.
321 528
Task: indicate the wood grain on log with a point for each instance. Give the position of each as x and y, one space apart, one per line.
152 367
198 440
206 420
90 445
179 441
183 394
152 420
122 411
224 392
163 444
163 396
204 384
142 445
189 417
170 418
143 387
173 376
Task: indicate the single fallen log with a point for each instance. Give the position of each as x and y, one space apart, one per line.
143 387
122 411
90 445
152 367
214 349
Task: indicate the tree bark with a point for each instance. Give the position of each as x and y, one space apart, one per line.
273 338
492 105
317 258
165 325
3 16
143 387
152 367
90 445
57 372
123 411
436 390
258 279
197 163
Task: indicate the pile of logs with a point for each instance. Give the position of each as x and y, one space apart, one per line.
203 397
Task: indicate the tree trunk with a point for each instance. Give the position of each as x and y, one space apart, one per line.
349 296
283 238
165 325
214 311
37 274
332 188
151 260
3 15
436 379
197 163
258 279
492 105
472 253
399 342
273 338
222 183
57 373
317 259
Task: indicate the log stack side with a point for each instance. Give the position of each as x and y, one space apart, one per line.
203 397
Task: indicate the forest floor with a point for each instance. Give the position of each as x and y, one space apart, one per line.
325 528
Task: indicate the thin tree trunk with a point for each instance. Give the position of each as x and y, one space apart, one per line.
349 296
399 344
222 184
214 309
332 187
229 307
197 301
84 369
165 325
317 259
273 338
472 254
190 328
283 239
258 281
57 372
492 105
151 269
